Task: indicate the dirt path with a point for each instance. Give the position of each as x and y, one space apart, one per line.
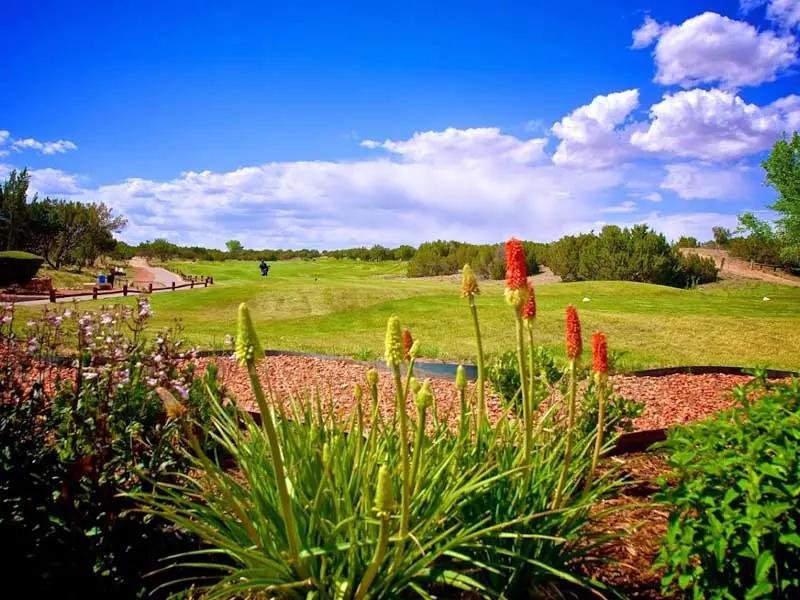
741 268
143 272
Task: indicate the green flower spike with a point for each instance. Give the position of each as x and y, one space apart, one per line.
414 352
372 377
384 499
423 398
461 378
248 347
394 342
414 385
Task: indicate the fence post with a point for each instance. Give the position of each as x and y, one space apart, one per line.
173 286
94 293
211 280
205 283
52 295
150 288
191 285
124 289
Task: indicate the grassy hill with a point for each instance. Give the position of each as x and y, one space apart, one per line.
341 307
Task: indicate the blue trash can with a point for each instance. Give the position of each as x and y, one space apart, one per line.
101 279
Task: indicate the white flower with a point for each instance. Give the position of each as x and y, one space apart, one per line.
586 300
89 375
68 313
5 320
106 320
158 358
151 381
31 323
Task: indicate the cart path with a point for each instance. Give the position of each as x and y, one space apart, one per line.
735 266
142 271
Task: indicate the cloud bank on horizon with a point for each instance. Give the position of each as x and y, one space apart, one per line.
610 160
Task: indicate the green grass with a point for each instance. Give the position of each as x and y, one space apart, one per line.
341 307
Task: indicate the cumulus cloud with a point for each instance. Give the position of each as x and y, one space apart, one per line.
703 182
646 34
423 191
59 147
714 125
464 146
785 13
696 224
591 135
711 48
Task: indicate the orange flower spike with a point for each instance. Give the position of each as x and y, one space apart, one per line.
599 353
408 341
529 310
516 274
573 334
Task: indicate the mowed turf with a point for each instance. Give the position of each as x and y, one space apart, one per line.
341 307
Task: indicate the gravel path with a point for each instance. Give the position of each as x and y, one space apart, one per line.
741 268
158 275
669 400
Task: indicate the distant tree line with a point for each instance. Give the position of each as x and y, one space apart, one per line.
60 231
165 250
487 260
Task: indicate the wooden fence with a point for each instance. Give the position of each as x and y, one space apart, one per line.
96 292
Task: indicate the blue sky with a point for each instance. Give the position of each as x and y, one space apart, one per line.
340 124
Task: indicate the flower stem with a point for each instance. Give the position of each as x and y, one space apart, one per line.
481 416
601 424
531 373
523 377
418 442
268 420
403 419
570 426
377 559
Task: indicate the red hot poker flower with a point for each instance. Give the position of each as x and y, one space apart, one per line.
573 334
408 341
516 273
529 310
599 353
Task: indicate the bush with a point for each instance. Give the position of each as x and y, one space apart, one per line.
488 261
70 446
18 267
696 270
734 495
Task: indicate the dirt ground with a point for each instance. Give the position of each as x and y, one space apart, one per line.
741 268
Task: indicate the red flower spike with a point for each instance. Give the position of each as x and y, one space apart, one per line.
408 341
516 273
529 310
573 331
599 353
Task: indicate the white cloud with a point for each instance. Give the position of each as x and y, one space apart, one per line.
590 135
646 34
53 182
703 182
712 48
464 146
786 13
714 125
625 207
696 224
59 147
445 184
3 136
654 197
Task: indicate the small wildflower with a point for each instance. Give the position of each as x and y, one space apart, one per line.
106 320
89 375
228 341
31 323
5 320
408 341
68 313
158 358
8 308
573 334
394 342
469 284
529 310
599 354
181 389
152 381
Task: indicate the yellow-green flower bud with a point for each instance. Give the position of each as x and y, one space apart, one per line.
372 377
414 352
414 384
424 397
469 285
248 348
326 456
461 378
394 342
517 297
358 392
384 499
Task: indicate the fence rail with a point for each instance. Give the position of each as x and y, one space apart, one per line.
96 292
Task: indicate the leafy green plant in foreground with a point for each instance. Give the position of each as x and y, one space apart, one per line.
376 508
733 531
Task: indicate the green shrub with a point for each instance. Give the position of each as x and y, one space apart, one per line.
18 267
735 497
488 260
696 270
